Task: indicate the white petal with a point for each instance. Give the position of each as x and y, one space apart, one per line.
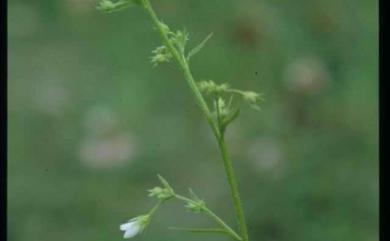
126 226
132 231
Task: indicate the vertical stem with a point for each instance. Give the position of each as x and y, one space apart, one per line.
201 102
181 60
227 163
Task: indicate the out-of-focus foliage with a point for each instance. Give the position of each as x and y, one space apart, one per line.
91 122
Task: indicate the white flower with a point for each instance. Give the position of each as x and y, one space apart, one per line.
130 228
134 226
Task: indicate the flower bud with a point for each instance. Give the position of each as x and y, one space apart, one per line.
195 206
209 87
106 5
252 98
160 193
180 39
109 6
161 55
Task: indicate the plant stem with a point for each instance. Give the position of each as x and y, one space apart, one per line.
181 60
154 209
212 215
216 128
233 188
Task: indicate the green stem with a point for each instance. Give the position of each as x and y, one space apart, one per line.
154 209
233 188
181 60
212 215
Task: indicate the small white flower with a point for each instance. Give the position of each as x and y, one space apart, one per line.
134 226
130 228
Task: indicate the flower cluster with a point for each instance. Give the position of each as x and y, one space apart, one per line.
210 88
137 225
217 90
195 205
252 98
160 193
161 55
178 40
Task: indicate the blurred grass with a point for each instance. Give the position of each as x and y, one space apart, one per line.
307 163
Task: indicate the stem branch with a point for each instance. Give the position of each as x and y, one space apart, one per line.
212 215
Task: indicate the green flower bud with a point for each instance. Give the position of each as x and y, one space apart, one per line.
252 98
180 39
109 6
160 193
195 206
106 5
209 87
223 109
161 55
165 27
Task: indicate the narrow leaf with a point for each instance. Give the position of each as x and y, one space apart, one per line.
199 47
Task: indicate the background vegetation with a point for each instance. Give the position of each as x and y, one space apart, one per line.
91 122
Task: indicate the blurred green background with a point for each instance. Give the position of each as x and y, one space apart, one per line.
91 122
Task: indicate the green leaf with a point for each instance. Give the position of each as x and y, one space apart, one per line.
199 47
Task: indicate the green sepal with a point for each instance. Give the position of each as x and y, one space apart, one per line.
165 183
